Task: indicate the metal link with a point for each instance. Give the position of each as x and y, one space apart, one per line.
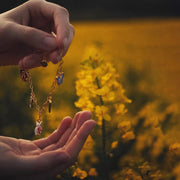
53 86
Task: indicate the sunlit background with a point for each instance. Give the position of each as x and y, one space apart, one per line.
141 39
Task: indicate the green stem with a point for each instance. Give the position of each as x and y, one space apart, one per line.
104 161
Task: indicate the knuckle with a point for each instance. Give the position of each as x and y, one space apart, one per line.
7 28
32 3
72 29
65 11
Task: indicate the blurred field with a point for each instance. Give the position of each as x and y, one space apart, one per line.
155 42
146 54
152 45
146 45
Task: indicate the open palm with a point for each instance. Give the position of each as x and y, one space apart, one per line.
46 157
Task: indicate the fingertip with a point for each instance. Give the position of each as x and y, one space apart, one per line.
90 124
77 142
20 64
86 129
67 119
66 122
78 113
86 114
55 56
30 61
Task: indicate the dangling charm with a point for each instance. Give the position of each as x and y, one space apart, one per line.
44 63
31 102
50 103
24 75
38 128
59 78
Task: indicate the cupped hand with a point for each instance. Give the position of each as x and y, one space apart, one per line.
26 34
45 158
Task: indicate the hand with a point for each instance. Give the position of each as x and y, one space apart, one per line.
45 158
25 34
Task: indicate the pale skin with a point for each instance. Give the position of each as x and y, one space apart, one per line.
46 157
25 34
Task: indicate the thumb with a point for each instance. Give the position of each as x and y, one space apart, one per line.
35 38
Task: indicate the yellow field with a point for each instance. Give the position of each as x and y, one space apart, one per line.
152 41
142 143
150 45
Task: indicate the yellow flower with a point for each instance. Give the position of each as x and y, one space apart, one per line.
102 113
128 136
175 148
85 86
110 73
130 174
98 88
58 176
106 94
120 108
93 172
157 175
124 125
89 143
85 104
80 173
176 171
145 168
114 144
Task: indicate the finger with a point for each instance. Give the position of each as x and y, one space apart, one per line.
64 31
79 118
35 38
76 118
62 141
84 116
30 61
68 41
73 148
55 56
56 135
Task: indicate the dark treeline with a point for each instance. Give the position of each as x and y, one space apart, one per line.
108 9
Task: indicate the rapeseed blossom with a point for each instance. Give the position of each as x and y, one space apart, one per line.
80 173
99 91
92 172
98 87
114 144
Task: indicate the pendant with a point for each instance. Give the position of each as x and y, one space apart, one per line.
50 103
31 102
24 75
44 63
38 128
59 79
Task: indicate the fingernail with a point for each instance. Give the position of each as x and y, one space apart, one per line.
49 43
